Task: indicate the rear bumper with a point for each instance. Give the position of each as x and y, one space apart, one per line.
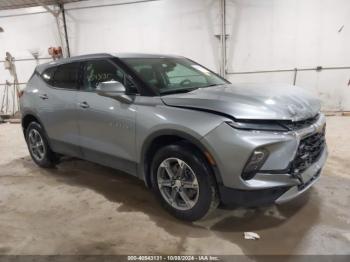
278 195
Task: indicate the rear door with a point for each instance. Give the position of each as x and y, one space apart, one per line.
58 110
107 126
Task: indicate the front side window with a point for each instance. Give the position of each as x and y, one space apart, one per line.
98 71
171 75
66 76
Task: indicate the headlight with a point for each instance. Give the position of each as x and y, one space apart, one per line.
257 125
255 162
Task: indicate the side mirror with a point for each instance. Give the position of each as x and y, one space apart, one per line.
113 89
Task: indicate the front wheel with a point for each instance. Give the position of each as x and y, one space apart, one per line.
183 181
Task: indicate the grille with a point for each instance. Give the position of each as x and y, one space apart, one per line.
301 124
309 151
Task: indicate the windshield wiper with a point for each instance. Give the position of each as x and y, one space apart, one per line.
212 85
177 91
185 90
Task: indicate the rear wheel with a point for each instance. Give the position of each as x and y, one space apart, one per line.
183 181
38 146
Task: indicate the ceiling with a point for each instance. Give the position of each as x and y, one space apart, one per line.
13 4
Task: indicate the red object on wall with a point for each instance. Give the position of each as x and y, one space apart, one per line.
55 52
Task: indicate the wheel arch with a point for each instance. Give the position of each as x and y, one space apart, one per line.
32 117
162 138
28 118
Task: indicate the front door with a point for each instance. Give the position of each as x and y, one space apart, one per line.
107 126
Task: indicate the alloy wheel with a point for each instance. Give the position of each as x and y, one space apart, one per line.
36 145
178 183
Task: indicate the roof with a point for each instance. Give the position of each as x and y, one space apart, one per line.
142 55
42 67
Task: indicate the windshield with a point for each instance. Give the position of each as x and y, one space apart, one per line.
173 75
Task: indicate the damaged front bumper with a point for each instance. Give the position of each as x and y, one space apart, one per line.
308 178
294 164
277 195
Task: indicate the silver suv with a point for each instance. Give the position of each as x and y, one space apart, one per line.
193 137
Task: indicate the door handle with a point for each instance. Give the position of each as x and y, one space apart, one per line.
44 96
84 105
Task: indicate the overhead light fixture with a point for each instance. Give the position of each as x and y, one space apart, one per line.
1 30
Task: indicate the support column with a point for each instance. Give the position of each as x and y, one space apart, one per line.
61 26
65 29
223 38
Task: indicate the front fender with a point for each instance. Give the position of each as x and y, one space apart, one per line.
161 120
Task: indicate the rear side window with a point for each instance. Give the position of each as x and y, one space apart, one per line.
48 74
66 76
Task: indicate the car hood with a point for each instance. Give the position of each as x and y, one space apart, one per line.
272 102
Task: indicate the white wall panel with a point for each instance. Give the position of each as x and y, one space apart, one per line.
182 27
23 33
284 34
265 78
331 86
263 35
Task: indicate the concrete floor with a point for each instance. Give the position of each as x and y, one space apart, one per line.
83 208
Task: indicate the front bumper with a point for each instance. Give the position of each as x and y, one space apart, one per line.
278 195
231 148
309 177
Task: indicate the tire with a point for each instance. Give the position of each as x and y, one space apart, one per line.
195 174
38 146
